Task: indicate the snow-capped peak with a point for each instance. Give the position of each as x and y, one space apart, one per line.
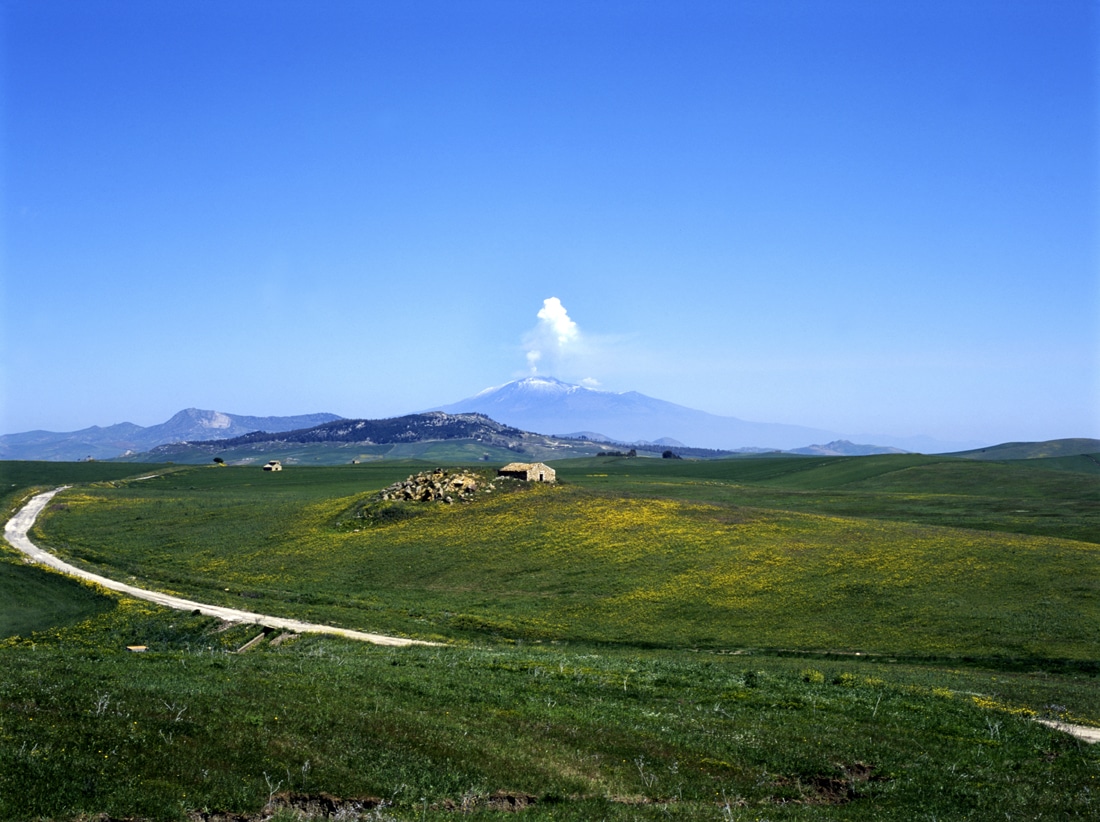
541 385
545 384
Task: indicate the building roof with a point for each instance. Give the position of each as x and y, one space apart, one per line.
525 466
519 466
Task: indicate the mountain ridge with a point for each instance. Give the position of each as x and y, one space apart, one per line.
465 437
551 406
544 405
117 440
406 428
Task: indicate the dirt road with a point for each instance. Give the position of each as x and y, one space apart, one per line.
15 531
1085 732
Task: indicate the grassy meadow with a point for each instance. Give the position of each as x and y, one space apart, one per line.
816 555
34 599
759 638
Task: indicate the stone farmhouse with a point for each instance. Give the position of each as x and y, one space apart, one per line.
528 472
274 465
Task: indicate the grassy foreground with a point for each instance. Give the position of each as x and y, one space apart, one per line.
608 652
566 733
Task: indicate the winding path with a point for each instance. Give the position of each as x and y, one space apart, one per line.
1085 732
15 531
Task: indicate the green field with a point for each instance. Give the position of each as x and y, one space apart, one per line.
35 599
841 555
772 637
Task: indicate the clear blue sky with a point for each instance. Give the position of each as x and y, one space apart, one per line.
861 216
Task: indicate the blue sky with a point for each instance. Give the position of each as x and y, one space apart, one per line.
861 216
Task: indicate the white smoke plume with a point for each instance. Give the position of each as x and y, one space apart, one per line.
553 340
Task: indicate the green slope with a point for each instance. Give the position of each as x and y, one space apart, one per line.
816 558
903 555
34 599
1023 497
188 731
1034 450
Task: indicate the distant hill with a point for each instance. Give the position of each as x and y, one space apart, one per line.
435 436
330 442
1033 450
551 406
409 428
843 448
127 438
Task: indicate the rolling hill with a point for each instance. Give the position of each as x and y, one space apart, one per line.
1074 447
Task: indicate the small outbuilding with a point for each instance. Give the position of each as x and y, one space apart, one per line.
274 465
528 472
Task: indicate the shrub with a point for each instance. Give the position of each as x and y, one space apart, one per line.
813 676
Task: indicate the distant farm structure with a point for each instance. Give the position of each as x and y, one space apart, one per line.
529 472
274 465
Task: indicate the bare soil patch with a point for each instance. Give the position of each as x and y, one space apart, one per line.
498 801
834 789
320 806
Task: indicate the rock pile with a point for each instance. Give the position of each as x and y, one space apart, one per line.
433 486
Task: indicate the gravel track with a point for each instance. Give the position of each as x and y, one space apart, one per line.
15 531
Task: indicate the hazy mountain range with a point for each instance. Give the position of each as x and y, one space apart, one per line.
554 407
542 405
433 436
410 428
437 435
126 437
551 406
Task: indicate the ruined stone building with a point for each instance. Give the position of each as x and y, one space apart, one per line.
528 472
